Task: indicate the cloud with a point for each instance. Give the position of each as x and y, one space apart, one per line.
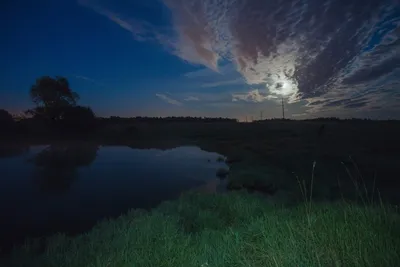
252 96
312 50
140 29
223 83
204 72
370 73
350 103
356 105
299 115
301 50
208 97
223 70
191 98
226 77
190 42
89 80
169 100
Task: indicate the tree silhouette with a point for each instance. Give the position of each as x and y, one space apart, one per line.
52 96
79 118
6 121
5 117
167 119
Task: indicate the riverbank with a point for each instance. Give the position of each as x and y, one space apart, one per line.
232 229
272 155
350 161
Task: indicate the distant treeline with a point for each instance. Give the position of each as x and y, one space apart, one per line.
336 119
56 112
168 119
325 119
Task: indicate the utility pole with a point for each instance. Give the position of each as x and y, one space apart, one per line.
283 110
246 118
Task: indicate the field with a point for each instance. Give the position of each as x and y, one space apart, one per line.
279 153
313 198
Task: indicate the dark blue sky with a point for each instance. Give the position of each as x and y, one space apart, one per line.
177 57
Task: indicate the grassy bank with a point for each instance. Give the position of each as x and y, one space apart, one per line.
242 229
233 229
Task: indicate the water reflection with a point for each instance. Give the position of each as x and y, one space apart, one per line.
56 166
65 195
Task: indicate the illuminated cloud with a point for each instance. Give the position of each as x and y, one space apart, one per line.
337 54
252 96
169 100
296 115
299 50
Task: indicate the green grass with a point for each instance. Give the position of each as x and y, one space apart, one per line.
233 229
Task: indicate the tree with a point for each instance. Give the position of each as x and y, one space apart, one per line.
52 96
79 118
5 117
6 121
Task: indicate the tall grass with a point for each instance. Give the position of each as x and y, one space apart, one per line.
307 196
233 229
362 192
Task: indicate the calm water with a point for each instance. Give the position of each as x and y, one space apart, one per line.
46 189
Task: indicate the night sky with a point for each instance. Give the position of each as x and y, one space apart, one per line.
229 58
